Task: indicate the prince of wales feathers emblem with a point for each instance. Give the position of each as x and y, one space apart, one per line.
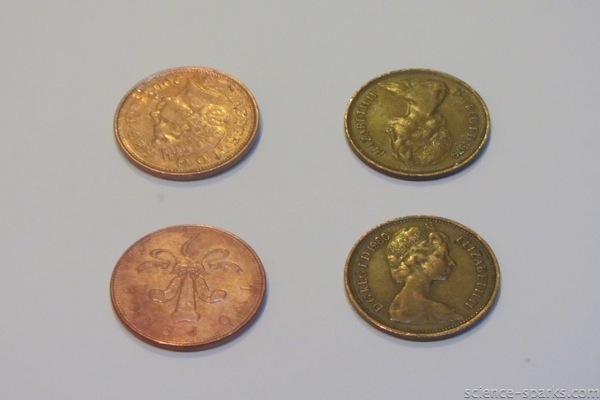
188 284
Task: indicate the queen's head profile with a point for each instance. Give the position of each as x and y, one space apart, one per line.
417 258
419 138
198 113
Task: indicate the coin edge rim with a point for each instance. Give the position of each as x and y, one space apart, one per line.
187 176
256 311
420 337
425 176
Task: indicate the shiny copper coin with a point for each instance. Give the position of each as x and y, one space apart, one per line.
422 277
417 124
188 287
186 123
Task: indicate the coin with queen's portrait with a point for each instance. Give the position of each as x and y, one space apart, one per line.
187 123
417 124
422 277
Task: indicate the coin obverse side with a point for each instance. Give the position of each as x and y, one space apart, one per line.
417 124
422 278
188 287
186 123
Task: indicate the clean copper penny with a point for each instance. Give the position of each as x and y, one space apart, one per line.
188 287
186 123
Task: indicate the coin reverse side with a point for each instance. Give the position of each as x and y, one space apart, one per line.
186 123
188 287
422 278
417 124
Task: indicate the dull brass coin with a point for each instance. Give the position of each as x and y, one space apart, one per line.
417 124
422 277
186 123
188 287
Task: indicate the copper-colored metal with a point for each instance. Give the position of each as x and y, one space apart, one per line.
417 124
188 287
186 123
422 277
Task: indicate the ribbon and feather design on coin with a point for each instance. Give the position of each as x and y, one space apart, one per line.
189 282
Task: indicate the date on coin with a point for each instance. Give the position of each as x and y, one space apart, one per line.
186 123
422 278
417 124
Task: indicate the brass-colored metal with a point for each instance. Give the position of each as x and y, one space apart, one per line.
188 287
422 277
417 124
186 123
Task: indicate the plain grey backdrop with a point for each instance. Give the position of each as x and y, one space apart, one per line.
71 204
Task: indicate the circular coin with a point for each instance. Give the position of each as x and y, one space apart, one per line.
417 124
422 277
186 123
188 287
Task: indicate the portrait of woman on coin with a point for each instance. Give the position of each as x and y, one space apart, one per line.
418 258
196 113
420 138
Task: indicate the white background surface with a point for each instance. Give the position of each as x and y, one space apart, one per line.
71 204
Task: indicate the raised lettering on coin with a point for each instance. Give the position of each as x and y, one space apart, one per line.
417 124
186 123
422 278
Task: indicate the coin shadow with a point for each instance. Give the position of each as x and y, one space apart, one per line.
195 354
209 180
429 182
432 344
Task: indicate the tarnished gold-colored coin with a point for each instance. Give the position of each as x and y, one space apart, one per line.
188 287
417 124
186 123
422 277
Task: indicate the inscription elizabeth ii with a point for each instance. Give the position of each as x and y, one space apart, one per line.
416 124
421 278
186 123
